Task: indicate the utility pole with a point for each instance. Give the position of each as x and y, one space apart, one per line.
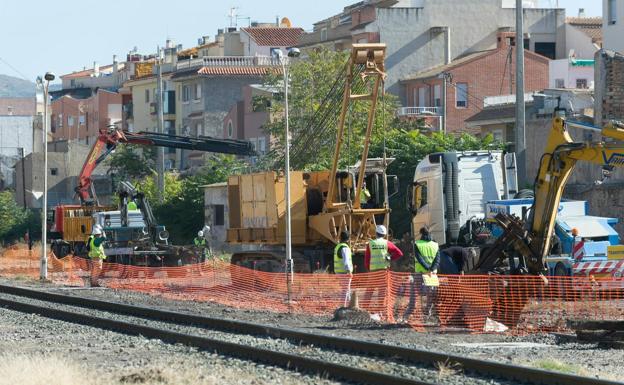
520 111
23 176
160 161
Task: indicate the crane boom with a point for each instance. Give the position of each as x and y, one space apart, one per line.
108 140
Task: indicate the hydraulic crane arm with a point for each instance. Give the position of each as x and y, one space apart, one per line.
109 139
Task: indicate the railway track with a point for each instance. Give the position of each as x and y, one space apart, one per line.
72 309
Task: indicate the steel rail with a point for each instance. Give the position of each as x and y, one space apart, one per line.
418 356
288 361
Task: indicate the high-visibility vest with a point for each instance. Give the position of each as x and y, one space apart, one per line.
132 206
199 241
427 250
364 196
379 254
96 252
338 261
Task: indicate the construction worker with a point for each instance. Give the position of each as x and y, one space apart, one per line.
365 196
426 263
200 243
343 264
95 243
380 251
131 206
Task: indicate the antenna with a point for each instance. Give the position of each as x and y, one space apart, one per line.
232 16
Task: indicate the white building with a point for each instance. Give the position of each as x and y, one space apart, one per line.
571 73
613 24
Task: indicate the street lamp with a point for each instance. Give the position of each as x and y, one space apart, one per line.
292 52
43 271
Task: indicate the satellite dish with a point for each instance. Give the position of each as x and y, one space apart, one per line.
285 23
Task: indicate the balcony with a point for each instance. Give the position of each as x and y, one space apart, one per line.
230 61
419 112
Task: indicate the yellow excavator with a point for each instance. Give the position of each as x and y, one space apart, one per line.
522 249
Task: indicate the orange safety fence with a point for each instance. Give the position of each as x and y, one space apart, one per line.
520 304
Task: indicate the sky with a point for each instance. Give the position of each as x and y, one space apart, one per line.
62 36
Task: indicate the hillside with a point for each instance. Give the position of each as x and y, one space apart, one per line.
12 87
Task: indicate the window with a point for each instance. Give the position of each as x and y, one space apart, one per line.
199 129
219 215
546 49
230 129
262 145
81 120
497 134
60 120
54 171
70 121
147 96
72 83
559 83
197 91
323 34
461 95
437 95
611 11
581 83
421 97
186 94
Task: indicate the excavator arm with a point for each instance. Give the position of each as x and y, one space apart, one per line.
108 140
532 243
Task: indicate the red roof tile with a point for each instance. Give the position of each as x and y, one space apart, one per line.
245 71
274 36
591 26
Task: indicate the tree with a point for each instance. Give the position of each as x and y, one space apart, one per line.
132 162
182 211
14 220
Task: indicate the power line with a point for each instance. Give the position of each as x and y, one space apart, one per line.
14 69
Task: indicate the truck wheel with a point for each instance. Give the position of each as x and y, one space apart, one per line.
562 284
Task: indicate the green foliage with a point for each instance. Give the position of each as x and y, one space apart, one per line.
182 211
14 220
131 162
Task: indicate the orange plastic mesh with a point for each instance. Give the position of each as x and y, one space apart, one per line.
525 304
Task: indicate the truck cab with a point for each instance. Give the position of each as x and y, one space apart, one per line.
450 191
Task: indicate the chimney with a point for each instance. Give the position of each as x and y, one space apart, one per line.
581 12
505 39
115 64
96 69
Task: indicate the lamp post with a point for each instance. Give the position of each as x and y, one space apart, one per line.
292 52
43 271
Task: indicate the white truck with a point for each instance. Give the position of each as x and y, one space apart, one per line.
457 195
450 190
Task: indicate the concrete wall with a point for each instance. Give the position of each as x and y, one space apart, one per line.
65 162
580 42
562 69
216 195
413 47
612 33
606 200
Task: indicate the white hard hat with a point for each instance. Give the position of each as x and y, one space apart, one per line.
97 229
200 233
381 230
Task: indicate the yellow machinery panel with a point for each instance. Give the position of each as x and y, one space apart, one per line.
72 228
615 252
257 208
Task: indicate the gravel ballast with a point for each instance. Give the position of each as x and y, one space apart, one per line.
34 348
538 350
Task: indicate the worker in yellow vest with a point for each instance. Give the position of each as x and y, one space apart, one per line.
424 279
365 196
343 265
380 251
95 246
